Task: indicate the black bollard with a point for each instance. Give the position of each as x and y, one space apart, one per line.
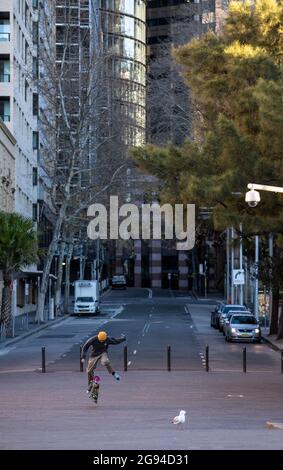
169 358
81 363
207 358
245 360
43 361
125 358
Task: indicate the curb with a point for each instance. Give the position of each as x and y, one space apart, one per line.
274 346
30 333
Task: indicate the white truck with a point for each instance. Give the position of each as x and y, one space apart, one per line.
86 297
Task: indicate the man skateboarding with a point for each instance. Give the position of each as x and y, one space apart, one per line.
99 352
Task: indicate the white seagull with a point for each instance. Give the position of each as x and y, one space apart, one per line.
178 420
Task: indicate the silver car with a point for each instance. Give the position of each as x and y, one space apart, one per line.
243 327
225 311
228 318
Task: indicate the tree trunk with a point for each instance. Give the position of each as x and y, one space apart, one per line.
47 264
67 279
280 327
274 314
6 311
59 279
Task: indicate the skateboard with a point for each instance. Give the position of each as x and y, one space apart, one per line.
94 388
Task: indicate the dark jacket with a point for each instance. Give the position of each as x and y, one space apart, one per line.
98 347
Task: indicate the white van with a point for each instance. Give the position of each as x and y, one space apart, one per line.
86 297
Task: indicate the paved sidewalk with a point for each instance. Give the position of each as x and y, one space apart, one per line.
34 327
273 341
224 411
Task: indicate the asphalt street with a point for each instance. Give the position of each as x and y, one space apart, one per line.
226 408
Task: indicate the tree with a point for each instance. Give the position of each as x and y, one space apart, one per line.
75 164
236 85
18 248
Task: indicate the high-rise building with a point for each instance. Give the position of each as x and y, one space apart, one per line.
121 27
7 169
169 112
19 111
18 98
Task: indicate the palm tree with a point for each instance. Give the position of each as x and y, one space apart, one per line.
18 248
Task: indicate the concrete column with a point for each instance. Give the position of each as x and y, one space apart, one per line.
138 259
183 270
156 264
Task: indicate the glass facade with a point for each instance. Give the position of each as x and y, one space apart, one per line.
123 29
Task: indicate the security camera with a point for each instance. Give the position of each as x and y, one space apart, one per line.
252 198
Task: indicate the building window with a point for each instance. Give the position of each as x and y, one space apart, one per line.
34 176
35 3
35 68
26 52
35 32
26 90
35 104
34 212
5 109
4 69
35 140
5 26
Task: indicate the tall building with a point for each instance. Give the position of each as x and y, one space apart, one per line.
121 27
18 98
7 169
169 112
19 111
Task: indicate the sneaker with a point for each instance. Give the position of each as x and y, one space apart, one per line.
117 376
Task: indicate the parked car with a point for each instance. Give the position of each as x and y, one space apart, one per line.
214 318
225 310
119 282
243 327
228 318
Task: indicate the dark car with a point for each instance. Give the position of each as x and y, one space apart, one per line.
119 282
214 318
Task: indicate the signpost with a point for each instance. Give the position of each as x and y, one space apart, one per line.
238 277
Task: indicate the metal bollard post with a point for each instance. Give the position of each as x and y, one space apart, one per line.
169 358
81 363
245 360
125 358
207 358
281 362
43 361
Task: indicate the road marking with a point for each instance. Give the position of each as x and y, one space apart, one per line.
235 396
6 351
149 293
135 352
129 363
139 342
11 371
186 309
